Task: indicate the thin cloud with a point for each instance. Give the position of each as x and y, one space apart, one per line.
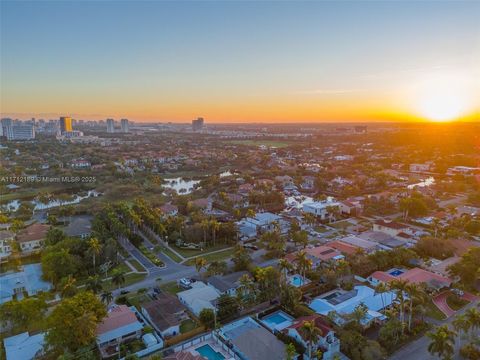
329 91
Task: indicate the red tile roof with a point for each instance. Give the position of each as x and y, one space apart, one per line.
344 247
317 319
322 252
415 275
33 232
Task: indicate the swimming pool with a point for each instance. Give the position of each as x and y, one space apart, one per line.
296 281
278 320
396 272
208 352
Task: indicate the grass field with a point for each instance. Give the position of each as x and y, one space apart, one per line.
171 288
434 313
136 265
341 225
192 252
187 325
270 143
168 252
219 256
130 279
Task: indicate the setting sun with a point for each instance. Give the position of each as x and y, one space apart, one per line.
441 98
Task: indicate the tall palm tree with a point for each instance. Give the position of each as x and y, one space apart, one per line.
473 318
284 265
107 297
400 286
205 224
311 332
94 284
68 287
118 278
95 247
303 262
214 226
413 291
442 342
381 289
461 324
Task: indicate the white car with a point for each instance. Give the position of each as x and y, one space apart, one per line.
185 283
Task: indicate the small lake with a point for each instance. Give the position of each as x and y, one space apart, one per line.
15 204
180 185
424 183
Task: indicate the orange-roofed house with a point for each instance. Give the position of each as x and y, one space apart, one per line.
416 276
318 255
344 248
119 326
327 342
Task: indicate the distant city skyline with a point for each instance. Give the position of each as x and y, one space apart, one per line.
240 61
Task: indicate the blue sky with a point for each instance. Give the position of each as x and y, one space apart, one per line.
166 60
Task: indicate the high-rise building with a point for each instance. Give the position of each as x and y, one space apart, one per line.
110 126
65 124
124 125
197 124
21 132
6 125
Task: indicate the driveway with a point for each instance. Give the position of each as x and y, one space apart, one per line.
440 302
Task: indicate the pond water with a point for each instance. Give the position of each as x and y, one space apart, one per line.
180 185
424 183
15 204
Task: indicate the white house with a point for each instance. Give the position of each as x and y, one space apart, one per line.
321 208
199 297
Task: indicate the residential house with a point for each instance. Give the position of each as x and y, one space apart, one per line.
416 276
166 313
262 222
226 284
6 239
169 209
204 203
327 342
419 167
32 237
24 346
119 326
366 245
80 226
318 255
344 302
80 164
251 341
321 208
28 280
308 183
391 228
199 297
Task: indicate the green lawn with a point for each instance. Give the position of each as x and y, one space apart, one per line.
320 229
171 288
434 313
168 252
187 325
456 303
150 255
219 256
130 279
271 143
192 252
137 265
138 299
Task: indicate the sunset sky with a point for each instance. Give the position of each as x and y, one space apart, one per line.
241 61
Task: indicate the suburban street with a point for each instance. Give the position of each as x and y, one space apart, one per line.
418 349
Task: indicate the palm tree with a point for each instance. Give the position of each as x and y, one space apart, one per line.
107 297
311 332
473 317
436 224
214 226
442 342
118 278
309 218
95 247
250 213
200 263
461 324
284 265
68 287
94 284
382 288
205 224
303 262
246 285
413 291
399 286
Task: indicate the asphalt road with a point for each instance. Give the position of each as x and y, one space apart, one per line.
418 349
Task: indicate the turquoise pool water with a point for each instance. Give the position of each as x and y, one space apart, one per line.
296 281
208 352
278 320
